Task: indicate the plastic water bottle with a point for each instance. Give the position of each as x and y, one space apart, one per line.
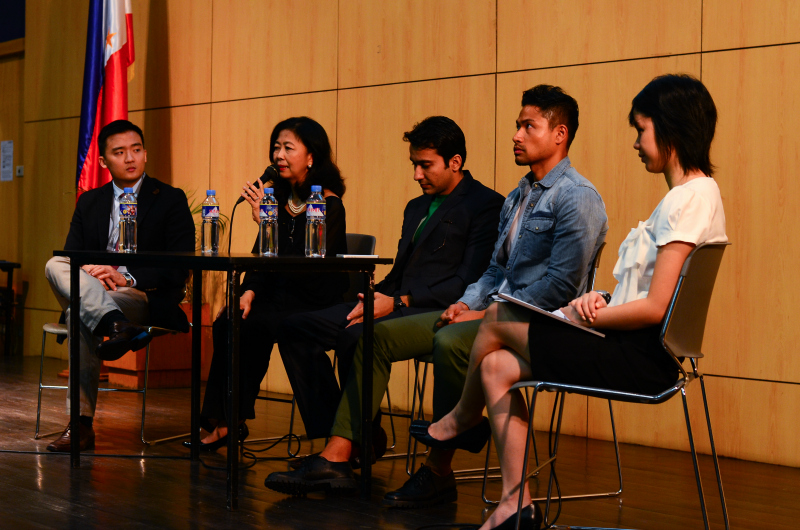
127 221
268 227
209 239
315 224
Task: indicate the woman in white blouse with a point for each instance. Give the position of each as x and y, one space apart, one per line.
675 118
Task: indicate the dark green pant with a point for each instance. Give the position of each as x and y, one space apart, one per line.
402 339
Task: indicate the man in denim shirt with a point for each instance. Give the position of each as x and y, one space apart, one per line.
550 229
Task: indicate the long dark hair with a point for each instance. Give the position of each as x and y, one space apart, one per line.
323 172
684 119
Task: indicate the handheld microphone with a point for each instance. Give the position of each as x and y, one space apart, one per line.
269 174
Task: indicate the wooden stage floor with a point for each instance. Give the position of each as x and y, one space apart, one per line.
40 491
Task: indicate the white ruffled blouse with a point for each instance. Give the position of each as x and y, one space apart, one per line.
691 213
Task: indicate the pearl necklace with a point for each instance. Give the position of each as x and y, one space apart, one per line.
295 209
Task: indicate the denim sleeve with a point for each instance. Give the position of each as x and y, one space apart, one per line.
581 222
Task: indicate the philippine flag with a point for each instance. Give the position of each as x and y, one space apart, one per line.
109 53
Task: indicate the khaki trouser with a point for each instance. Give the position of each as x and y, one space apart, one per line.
95 302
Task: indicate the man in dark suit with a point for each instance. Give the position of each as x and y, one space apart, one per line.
115 301
445 245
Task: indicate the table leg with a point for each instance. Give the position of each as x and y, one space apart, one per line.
233 390
366 387
74 362
197 334
9 335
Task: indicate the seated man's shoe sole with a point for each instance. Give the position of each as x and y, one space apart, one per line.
315 474
424 488
126 336
63 444
472 440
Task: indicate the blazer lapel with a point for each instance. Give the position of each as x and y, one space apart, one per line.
104 214
407 236
147 196
456 197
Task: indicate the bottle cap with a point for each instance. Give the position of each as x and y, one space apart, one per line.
128 190
211 192
316 189
269 191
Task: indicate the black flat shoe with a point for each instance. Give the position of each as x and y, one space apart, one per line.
244 432
471 440
531 519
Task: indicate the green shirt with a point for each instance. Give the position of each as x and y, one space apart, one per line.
435 203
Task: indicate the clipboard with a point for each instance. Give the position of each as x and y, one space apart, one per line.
547 313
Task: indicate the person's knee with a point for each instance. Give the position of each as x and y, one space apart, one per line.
54 266
491 368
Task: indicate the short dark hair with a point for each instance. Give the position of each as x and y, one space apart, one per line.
684 119
441 134
558 107
324 172
116 127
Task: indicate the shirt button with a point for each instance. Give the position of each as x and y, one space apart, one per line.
537 228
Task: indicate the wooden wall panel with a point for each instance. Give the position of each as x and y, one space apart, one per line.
752 420
48 191
265 48
603 147
178 143
410 40
173 53
11 90
55 48
739 23
757 151
536 34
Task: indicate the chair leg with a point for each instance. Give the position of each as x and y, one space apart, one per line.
419 394
41 371
714 455
144 390
694 459
291 432
391 419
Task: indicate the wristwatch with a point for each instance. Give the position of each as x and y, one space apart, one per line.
128 279
605 294
398 303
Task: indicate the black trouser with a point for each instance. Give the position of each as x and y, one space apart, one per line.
257 334
303 340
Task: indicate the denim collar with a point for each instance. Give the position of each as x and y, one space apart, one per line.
552 176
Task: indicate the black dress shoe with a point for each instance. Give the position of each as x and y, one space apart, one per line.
424 488
315 474
531 519
125 336
471 440
244 432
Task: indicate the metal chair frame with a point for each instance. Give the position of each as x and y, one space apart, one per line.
681 337
61 329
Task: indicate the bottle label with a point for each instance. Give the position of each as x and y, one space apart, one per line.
211 211
127 210
269 211
315 210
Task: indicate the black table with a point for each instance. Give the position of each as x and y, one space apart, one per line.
8 267
234 264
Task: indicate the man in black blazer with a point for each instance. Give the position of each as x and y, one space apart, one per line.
446 242
116 300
